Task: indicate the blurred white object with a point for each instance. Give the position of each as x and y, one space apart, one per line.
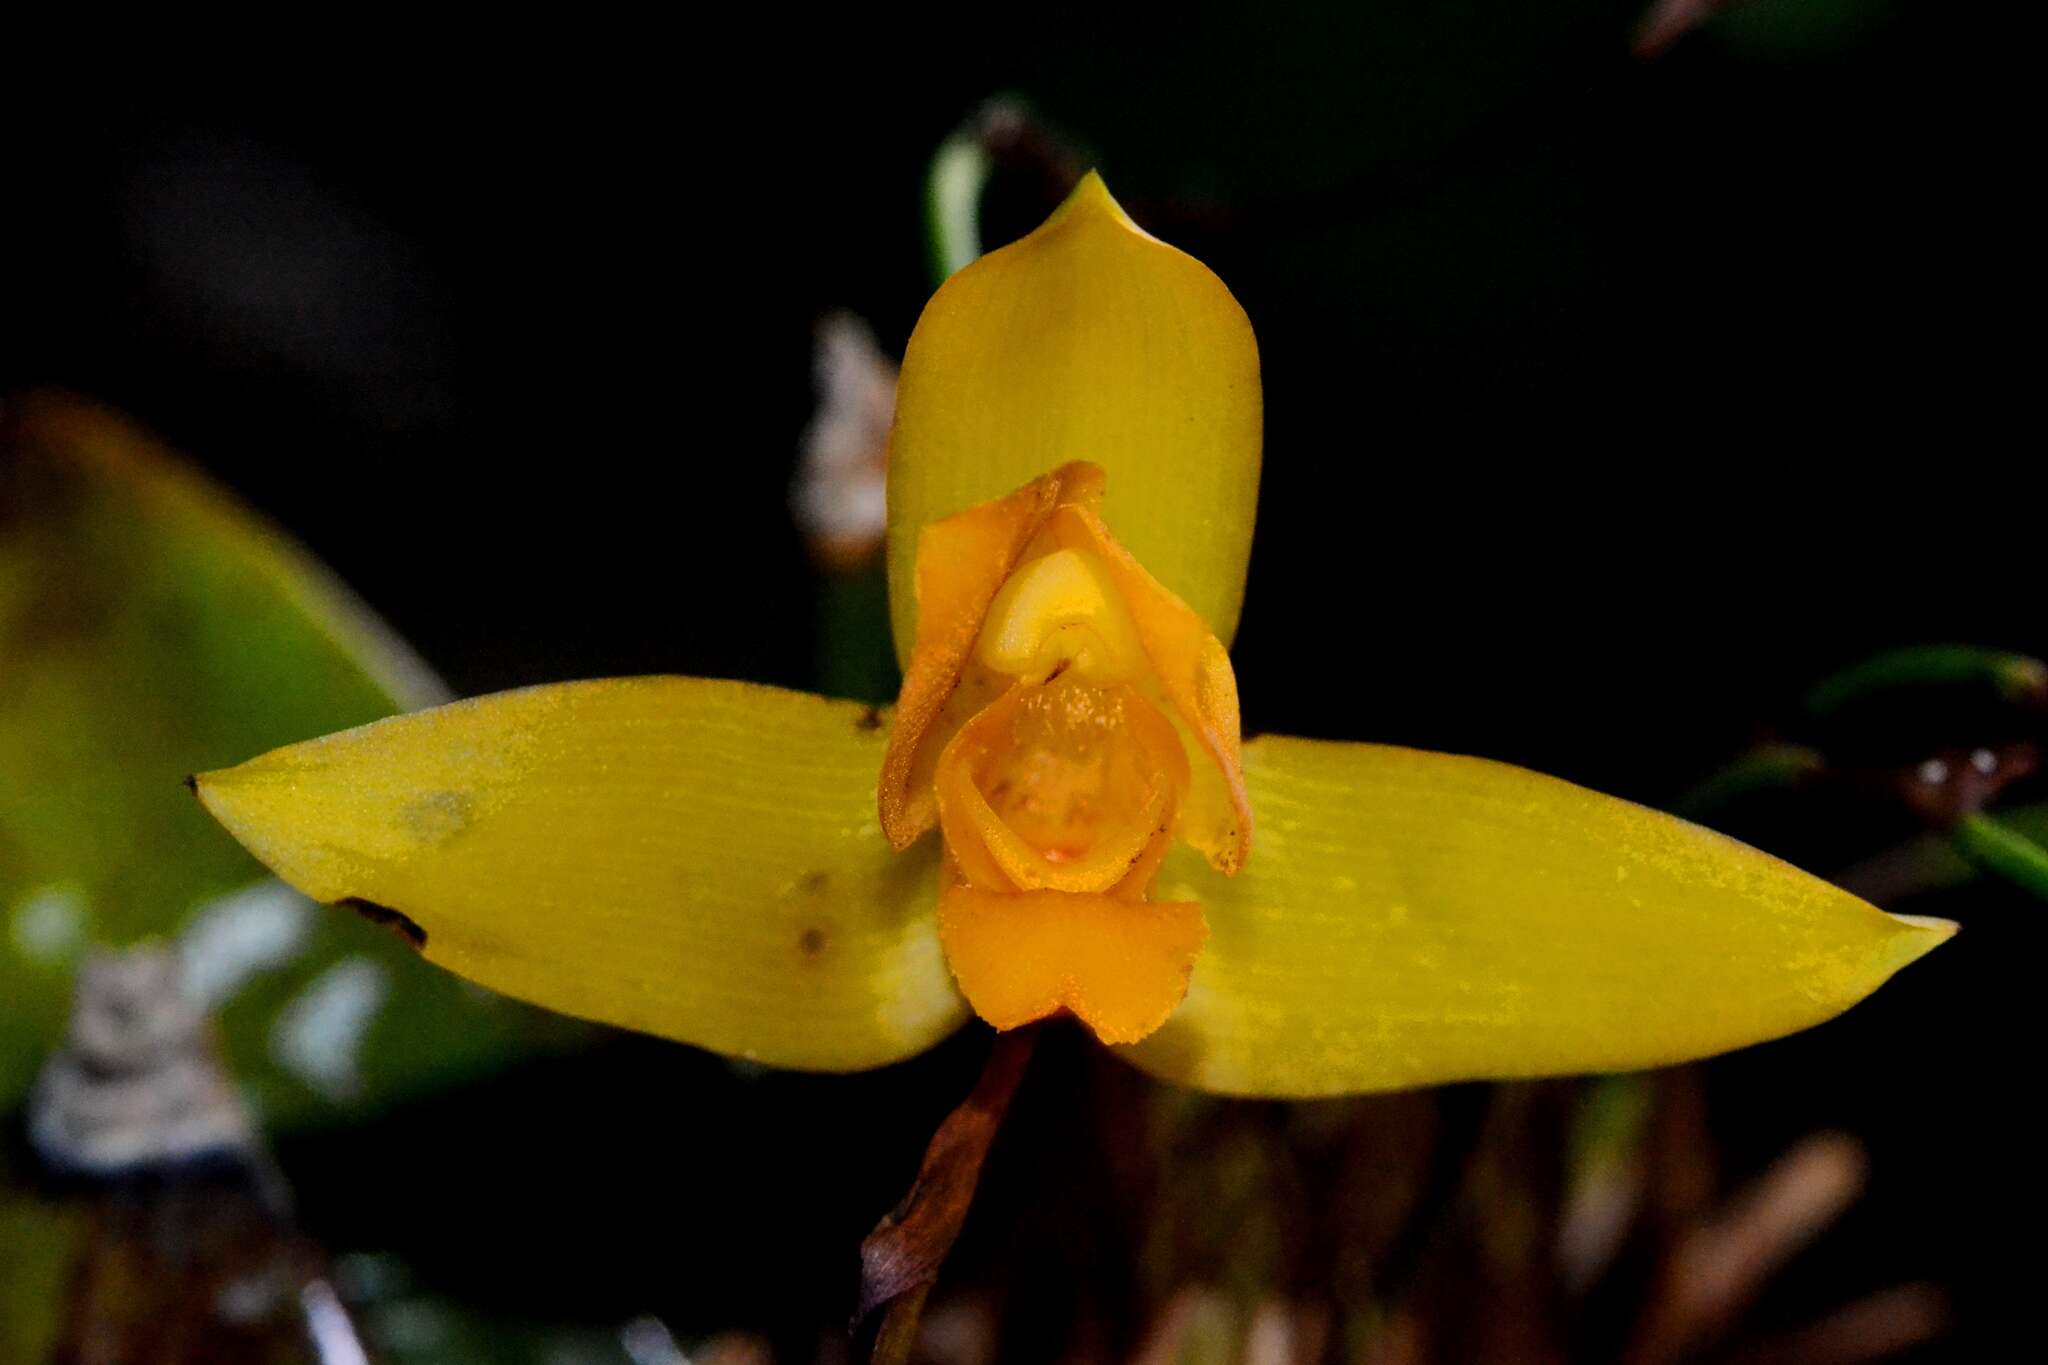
49 924
319 1037
227 941
841 493
135 1084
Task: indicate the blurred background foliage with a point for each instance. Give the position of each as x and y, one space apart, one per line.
153 629
1612 403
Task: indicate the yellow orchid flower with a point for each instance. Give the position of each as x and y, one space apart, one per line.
1074 467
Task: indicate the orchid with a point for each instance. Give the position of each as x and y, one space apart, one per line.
1059 815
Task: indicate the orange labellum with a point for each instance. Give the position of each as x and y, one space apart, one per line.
1120 966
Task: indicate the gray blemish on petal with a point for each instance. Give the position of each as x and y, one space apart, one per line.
229 940
319 1036
437 817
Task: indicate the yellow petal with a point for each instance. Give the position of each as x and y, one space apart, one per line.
1415 918
694 859
1087 340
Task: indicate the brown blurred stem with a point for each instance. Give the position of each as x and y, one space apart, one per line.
1718 1269
901 1257
1670 20
898 1332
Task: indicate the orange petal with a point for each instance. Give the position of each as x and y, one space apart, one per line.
1121 966
1194 671
962 562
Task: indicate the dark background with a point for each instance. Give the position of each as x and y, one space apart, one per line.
1610 403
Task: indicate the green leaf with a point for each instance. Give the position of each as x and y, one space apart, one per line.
1997 846
2015 677
151 627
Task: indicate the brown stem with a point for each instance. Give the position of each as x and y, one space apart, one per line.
901 1257
898 1331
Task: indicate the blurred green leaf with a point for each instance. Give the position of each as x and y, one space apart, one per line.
2014 677
36 1240
1942 860
2000 848
1805 31
958 173
150 627
1767 767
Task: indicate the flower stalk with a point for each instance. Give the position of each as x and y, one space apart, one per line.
901 1258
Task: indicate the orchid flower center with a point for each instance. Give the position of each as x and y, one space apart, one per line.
1064 721
1070 780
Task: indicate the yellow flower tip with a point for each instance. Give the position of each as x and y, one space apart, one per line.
1921 935
1090 198
255 807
